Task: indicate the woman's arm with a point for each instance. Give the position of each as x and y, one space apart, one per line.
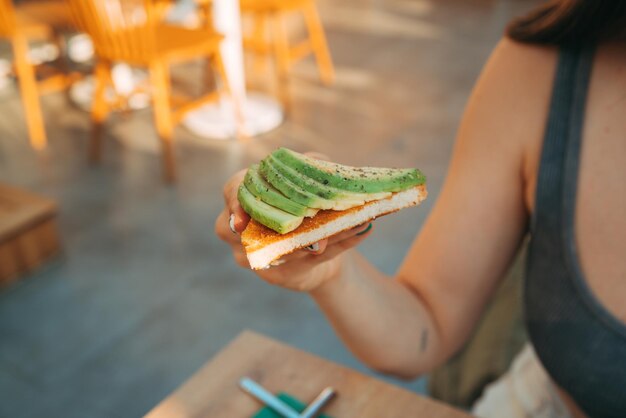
382 321
411 324
408 325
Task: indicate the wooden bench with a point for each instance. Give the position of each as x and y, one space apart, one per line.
28 232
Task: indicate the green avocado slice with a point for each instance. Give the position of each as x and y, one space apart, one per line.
261 189
273 218
354 179
292 191
343 199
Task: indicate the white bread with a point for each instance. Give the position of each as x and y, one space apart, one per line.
264 245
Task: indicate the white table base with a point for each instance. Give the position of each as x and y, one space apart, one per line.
217 120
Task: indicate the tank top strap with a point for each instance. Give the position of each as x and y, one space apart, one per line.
558 171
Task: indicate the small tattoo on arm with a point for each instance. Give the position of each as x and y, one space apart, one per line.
424 340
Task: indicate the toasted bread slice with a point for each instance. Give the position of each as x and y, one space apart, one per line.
264 245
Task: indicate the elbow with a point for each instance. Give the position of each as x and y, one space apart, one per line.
408 366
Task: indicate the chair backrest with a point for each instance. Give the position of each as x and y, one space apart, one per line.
7 18
121 30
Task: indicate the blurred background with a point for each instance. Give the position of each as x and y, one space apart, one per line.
120 121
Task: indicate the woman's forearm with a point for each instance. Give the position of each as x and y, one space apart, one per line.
380 320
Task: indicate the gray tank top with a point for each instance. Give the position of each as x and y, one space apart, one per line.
579 342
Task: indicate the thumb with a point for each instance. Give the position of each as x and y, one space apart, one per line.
238 217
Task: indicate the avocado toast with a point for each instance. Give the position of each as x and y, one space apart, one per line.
295 200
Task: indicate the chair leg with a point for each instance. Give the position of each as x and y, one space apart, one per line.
99 109
30 96
237 106
259 33
280 44
63 63
160 81
318 43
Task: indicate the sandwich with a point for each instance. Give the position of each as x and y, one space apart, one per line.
295 200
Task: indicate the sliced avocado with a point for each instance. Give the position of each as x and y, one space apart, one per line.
292 191
273 218
343 199
260 188
310 212
306 183
355 179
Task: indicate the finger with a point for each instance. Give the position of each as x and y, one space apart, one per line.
291 257
241 218
361 229
223 231
241 259
317 248
239 254
333 250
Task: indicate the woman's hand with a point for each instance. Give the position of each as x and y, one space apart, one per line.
303 270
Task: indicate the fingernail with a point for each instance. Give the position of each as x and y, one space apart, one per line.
277 262
231 223
313 247
365 230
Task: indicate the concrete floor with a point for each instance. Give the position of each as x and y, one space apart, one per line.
144 293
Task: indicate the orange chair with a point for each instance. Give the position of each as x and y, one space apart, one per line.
34 21
129 31
272 13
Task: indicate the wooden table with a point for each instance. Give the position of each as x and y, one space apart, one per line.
213 391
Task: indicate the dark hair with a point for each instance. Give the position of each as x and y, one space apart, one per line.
561 22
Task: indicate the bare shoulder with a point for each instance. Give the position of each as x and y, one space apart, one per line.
526 53
518 72
509 106
521 58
